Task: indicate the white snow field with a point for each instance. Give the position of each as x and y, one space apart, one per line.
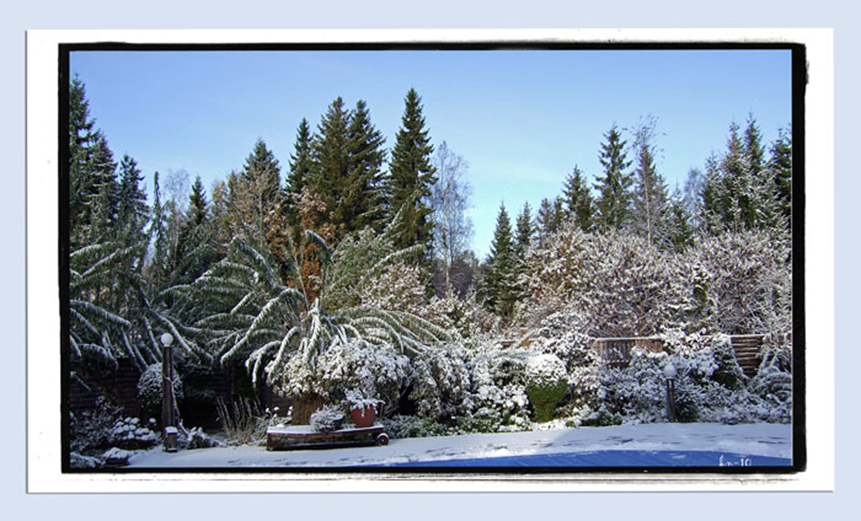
751 440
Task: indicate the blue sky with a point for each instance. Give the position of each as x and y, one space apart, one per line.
522 119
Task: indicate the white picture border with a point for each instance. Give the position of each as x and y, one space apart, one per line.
43 322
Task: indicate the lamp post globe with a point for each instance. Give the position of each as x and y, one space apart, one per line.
166 339
670 371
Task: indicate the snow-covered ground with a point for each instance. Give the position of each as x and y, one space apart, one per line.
770 440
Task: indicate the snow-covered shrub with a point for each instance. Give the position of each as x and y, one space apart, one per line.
546 384
744 280
637 391
80 461
442 383
619 283
197 439
499 383
131 433
90 429
327 419
414 427
150 393
377 371
771 383
562 334
704 358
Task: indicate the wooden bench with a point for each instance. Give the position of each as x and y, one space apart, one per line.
303 437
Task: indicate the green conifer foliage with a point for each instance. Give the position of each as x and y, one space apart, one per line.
500 284
411 175
301 161
780 167
614 187
361 202
331 156
524 231
578 200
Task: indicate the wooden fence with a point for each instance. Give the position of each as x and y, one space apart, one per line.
616 352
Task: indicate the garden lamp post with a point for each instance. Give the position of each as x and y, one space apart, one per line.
168 414
670 374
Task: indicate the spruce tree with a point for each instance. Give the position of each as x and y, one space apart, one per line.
780 167
549 218
578 200
680 228
257 192
301 164
132 207
614 195
331 157
753 146
197 204
104 203
361 203
158 237
524 231
500 284
411 176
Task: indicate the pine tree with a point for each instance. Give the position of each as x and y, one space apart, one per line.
301 165
158 237
411 175
549 218
523 232
753 146
649 209
82 137
197 204
614 195
361 203
331 158
780 167
578 200
104 204
132 207
500 285
680 229
256 193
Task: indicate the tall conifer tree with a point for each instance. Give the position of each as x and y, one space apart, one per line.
301 164
411 176
524 231
500 286
361 203
614 187
578 200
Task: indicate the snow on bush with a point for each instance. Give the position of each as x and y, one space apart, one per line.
378 371
150 393
131 433
197 439
619 283
80 461
499 385
743 282
90 429
635 392
327 419
546 384
441 388
562 334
